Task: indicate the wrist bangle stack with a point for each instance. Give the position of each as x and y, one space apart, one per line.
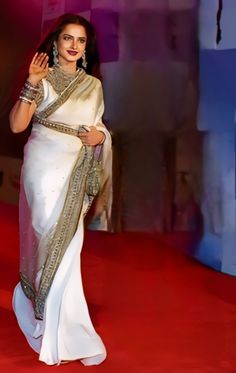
28 93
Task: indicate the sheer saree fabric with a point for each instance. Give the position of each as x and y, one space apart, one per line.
55 196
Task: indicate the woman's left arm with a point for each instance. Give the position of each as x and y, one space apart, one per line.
98 133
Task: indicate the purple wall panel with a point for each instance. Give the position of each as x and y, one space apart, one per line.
107 26
75 6
47 25
144 34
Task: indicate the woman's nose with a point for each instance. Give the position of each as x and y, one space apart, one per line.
74 44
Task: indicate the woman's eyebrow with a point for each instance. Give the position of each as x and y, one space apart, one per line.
79 37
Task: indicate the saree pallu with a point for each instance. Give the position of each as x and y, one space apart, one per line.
55 195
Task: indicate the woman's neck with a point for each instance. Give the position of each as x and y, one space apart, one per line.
68 67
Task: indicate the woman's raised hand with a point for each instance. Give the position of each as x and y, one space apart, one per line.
38 68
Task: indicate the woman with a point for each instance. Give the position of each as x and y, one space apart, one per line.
66 162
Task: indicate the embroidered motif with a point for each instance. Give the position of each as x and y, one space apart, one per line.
57 126
27 287
63 95
59 79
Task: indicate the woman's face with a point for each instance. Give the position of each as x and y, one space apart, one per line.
71 43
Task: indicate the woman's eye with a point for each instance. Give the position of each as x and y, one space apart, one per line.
67 38
82 40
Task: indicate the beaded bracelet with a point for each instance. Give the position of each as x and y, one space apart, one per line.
28 93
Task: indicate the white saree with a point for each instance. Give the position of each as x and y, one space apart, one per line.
56 321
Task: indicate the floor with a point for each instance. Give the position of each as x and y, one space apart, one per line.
156 309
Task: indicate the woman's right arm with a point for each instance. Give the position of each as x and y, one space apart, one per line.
20 116
22 111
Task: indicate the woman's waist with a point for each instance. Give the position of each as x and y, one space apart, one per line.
68 129
48 139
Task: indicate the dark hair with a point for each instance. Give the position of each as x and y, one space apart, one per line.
92 57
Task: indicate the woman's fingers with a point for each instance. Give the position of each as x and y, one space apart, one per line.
34 58
91 138
40 59
45 69
84 138
45 62
83 135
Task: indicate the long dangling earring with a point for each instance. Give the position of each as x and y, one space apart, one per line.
55 54
84 62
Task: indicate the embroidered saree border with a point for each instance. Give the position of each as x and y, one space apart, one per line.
57 126
53 106
65 227
27 287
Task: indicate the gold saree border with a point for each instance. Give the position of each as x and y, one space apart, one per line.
57 126
64 95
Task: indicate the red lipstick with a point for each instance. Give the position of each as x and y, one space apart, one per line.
72 53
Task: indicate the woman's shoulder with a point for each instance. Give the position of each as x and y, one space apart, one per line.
93 79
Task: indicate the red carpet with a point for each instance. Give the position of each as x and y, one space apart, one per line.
156 309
